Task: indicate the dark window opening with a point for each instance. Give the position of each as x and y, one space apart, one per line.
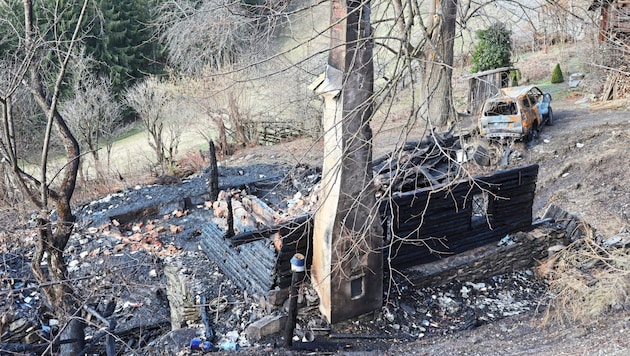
505 79
501 108
480 208
356 287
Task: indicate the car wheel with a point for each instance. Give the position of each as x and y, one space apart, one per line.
549 120
533 133
530 136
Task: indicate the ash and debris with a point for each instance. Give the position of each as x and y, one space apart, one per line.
123 262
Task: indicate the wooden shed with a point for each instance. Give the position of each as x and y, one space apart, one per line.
614 32
614 23
486 84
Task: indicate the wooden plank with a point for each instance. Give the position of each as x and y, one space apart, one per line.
260 211
247 267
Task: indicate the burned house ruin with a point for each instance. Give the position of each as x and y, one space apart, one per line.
429 210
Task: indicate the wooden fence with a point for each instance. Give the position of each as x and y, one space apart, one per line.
272 132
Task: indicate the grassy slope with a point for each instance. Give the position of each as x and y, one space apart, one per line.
132 155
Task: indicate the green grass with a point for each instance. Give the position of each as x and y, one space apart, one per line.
131 130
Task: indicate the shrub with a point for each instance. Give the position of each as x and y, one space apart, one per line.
556 75
493 50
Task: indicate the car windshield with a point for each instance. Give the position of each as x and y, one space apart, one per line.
496 108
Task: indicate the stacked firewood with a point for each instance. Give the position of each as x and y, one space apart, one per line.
617 84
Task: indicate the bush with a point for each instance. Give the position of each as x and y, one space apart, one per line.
493 50
556 75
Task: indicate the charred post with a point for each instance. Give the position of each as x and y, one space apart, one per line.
297 270
213 174
230 218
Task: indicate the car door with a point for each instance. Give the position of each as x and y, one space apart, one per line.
529 113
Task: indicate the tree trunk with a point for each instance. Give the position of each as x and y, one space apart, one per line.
437 91
236 119
223 144
53 237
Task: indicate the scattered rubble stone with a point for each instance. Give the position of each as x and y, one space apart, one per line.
266 326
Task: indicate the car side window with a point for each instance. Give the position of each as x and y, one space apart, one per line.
535 95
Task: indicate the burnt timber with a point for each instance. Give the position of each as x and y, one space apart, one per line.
433 213
253 260
428 224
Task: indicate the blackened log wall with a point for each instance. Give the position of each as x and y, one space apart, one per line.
428 224
252 260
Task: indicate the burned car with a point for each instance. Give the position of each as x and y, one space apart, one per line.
516 112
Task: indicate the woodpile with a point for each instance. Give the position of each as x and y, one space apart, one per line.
272 132
617 84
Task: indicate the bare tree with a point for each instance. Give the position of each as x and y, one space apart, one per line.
156 103
18 106
35 55
225 103
93 113
215 33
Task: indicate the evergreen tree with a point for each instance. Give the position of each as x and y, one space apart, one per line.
119 36
494 48
556 75
122 42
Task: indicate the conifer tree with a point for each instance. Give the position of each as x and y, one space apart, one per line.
122 42
556 75
494 48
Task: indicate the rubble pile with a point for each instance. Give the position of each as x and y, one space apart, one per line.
428 163
130 245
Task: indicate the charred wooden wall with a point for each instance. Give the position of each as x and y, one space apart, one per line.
428 224
257 261
420 226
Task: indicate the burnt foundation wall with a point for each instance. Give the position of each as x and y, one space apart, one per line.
523 250
428 224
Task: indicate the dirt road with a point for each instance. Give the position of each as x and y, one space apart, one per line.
585 166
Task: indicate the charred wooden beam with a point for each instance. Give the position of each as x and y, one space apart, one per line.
213 174
295 227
